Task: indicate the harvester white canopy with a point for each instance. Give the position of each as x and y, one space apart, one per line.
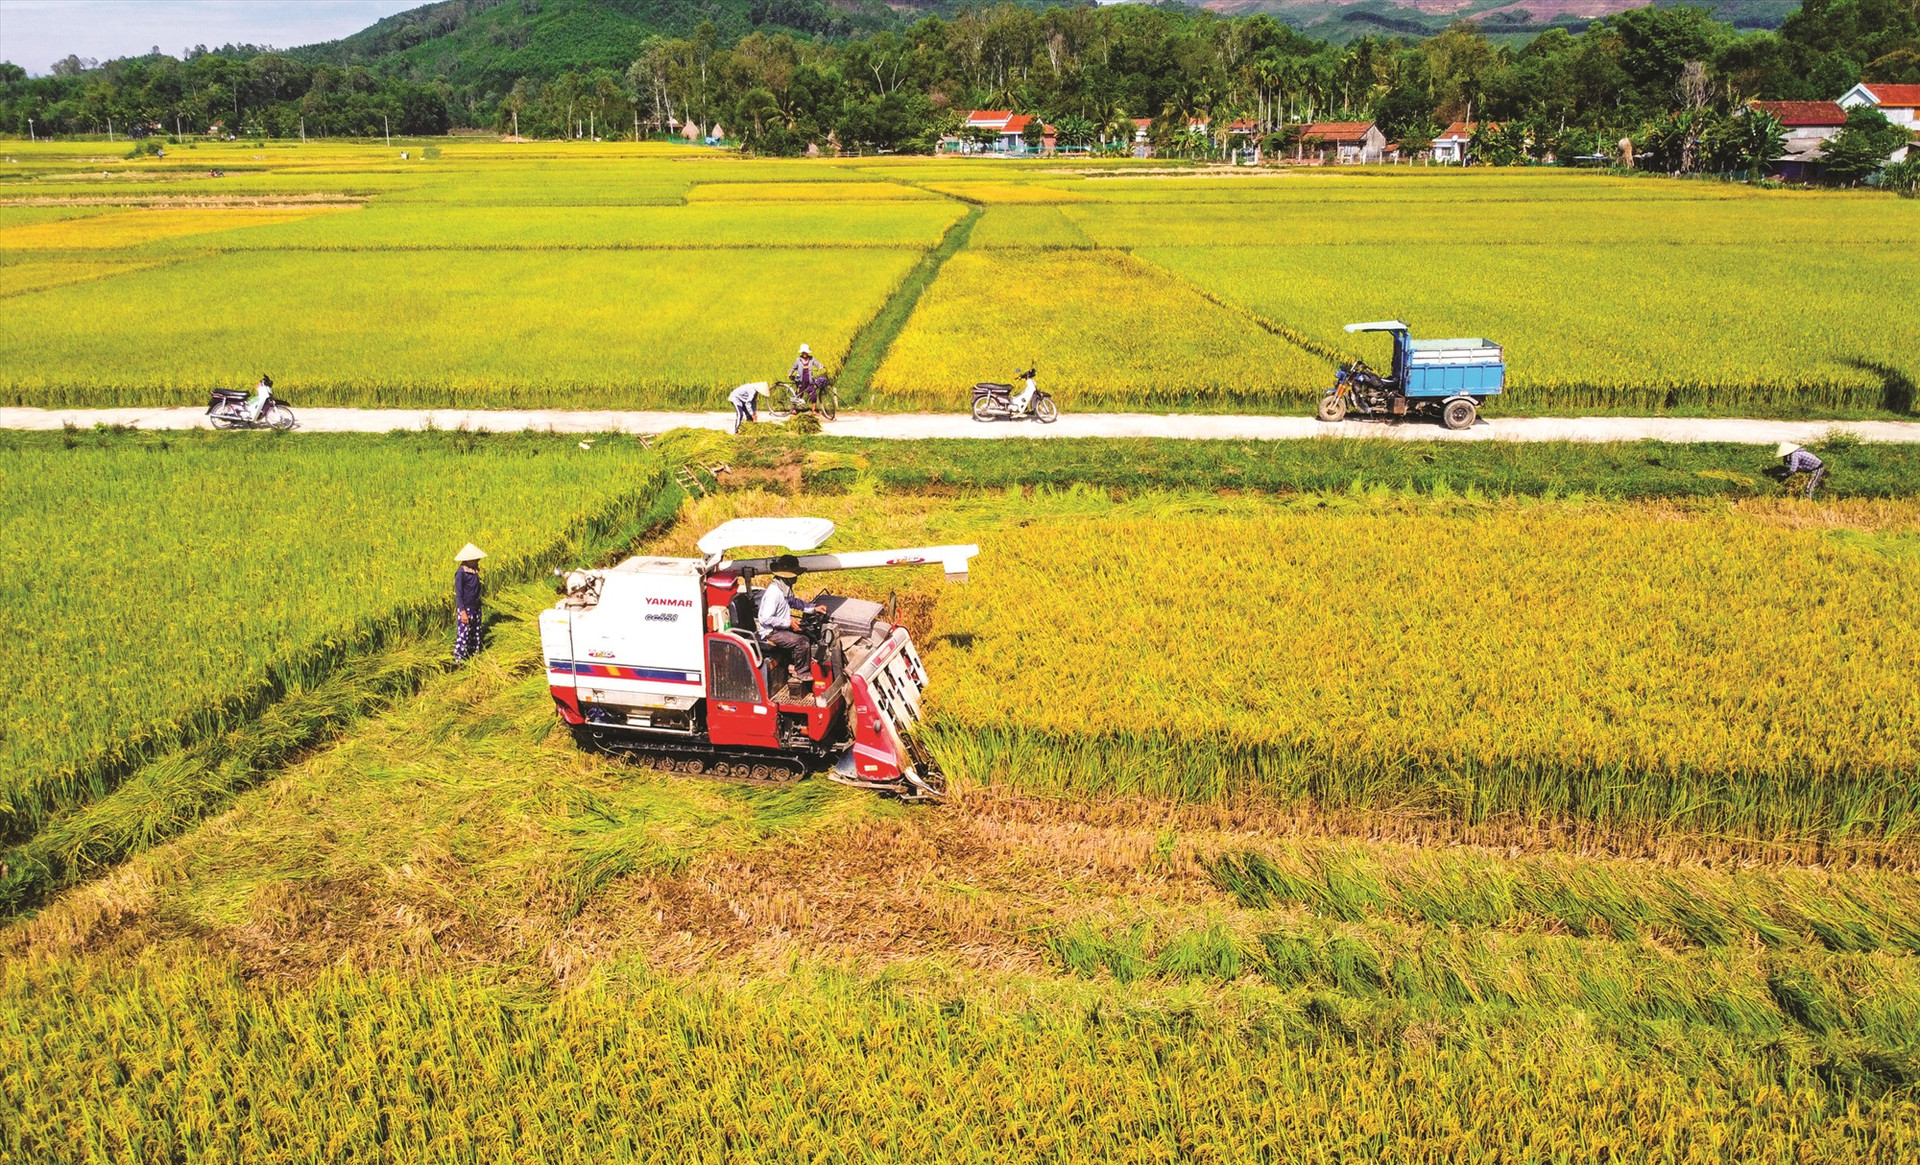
1380 326
795 534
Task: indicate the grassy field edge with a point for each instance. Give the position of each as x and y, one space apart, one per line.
1623 470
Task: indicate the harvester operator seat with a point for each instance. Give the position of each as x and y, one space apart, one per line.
743 611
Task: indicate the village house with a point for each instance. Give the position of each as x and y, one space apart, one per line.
1008 130
1346 142
1901 104
1451 146
1809 124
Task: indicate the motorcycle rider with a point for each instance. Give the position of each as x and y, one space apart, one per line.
805 372
262 393
779 624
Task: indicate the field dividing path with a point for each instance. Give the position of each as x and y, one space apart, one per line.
923 426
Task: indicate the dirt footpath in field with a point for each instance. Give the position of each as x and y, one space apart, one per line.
918 426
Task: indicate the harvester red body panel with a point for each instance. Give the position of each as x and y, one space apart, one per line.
660 657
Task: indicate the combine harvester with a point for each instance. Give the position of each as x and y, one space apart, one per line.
658 659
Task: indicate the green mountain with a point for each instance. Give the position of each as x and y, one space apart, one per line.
487 43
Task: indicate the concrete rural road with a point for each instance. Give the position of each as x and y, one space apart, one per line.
913 426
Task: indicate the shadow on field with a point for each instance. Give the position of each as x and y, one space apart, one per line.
1899 392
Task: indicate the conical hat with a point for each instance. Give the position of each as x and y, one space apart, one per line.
1785 448
470 553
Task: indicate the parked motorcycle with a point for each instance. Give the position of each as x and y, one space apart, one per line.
994 402
229 410
787 399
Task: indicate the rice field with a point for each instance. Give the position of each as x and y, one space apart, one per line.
1183 290
1322 801
451 904
1105 330
154 590
511 329
1617 663
1745 346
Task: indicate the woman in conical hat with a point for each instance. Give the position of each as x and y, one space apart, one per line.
1797 460
466 602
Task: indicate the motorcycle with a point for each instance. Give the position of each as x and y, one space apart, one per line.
228 409
788 399
993 402
1359 389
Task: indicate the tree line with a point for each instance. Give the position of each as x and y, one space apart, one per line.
1668 77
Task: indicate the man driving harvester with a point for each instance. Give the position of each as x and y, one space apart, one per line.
779 623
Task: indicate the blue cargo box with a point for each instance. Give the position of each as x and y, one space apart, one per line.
1474 367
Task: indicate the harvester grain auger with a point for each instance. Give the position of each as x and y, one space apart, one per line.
660 659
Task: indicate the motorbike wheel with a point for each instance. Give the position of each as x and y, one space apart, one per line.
1333 408
281 418
1459 414
220 422
829 404
1045 411
983 409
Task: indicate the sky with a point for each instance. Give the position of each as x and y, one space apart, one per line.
36 33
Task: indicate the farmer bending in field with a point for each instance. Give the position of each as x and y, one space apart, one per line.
744 404
1798 460
466 602
806 373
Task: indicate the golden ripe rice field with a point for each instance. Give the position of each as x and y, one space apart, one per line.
1727 667
1200 291
1241 866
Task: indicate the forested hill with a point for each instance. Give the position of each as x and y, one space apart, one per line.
1345 20
489 43
784 76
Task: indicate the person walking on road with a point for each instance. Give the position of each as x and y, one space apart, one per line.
745 406
1798 460
466 602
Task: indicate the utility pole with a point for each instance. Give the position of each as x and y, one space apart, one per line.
388 129
31 135
303 131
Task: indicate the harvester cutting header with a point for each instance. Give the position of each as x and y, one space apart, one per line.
672 660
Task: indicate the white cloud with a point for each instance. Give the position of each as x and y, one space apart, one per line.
36 33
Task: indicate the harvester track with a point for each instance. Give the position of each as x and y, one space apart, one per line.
705 761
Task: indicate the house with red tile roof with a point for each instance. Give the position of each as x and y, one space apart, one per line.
1451 146
1008 130
1343 141
1901 104
1809 125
